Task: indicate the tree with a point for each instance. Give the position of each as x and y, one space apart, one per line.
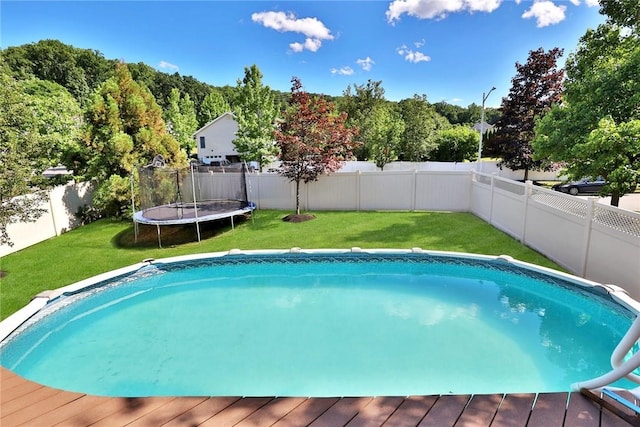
312 138
21 157
421 124
181 120
78 70
602 83
536 87
58 118
123 129
384 127
255 112
456 144
212 107
358 103
611 151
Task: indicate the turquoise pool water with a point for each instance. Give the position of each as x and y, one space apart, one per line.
321 325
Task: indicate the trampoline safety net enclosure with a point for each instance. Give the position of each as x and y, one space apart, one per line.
170 196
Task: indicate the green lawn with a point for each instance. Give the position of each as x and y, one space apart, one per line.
106 244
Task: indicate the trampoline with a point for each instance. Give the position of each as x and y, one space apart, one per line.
170 196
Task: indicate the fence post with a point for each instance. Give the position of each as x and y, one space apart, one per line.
528 189
493 189
415 189
358 176
586 241
52 213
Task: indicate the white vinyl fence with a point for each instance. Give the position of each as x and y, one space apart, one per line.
589 239
63 203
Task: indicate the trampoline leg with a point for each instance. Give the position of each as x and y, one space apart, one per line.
159 241
232 227
198 230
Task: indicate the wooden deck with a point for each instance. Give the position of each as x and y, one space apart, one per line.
25 403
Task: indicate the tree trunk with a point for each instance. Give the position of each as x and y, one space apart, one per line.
615 199
526 174
298 197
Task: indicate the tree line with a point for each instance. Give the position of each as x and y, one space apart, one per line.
101 118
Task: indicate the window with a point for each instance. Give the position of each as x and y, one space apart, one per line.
202 142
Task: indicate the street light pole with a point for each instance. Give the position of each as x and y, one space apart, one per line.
484 98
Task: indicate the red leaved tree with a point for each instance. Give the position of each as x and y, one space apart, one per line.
535 88
312 138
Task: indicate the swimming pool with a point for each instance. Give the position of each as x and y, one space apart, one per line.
322 323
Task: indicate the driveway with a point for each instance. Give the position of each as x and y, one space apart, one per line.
630 202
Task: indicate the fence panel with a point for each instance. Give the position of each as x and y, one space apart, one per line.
64 201
556 233
387 190
332 192
271 191
442 191
481 193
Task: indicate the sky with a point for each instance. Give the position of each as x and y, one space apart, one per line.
448 50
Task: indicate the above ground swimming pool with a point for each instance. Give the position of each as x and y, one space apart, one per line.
321 323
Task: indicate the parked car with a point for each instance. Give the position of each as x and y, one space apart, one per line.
584 186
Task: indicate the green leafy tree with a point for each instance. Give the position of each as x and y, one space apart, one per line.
421 123
23 157
124 129
78 70
255 112
181 120
623 13
602 83
384 131
456 144
58 118
358 101
212 107
313 139
536 87
611 151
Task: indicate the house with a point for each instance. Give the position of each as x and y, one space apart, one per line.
486 127
214 141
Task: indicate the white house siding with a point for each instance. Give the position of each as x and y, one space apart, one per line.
218 140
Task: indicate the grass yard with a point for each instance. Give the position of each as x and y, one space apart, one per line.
106 244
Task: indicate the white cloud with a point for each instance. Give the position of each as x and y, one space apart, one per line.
366 63
411 55
344 71
592 3
310 44
296 47
575 2
419 44
168 66
437 9
545 12
314 30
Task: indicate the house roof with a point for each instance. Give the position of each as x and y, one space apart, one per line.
228 113
485 126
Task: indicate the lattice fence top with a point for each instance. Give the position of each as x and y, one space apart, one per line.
616 219
622 221
571 205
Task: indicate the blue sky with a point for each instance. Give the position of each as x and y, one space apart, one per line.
451 50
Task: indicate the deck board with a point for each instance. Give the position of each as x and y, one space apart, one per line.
445 411
514 411
480 411
23 402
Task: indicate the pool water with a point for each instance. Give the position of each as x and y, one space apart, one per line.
321 326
